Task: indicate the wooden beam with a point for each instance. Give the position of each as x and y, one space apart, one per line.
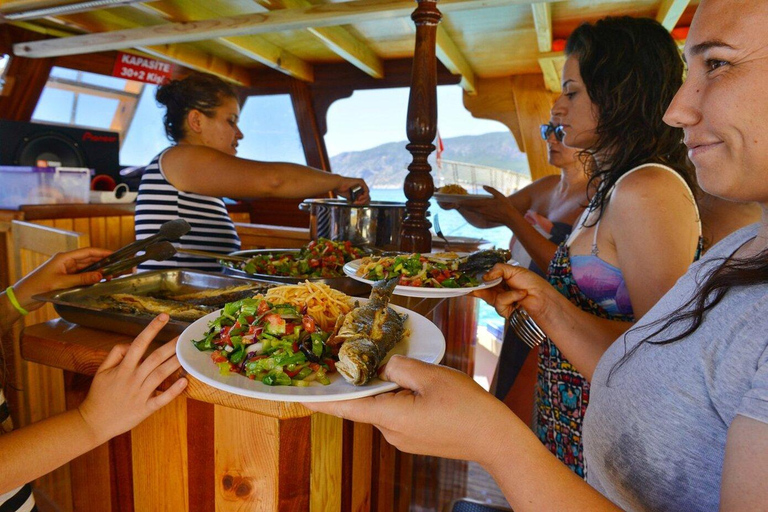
199 61
495 100
254 47
551 66
37 9
533 105
177 54
324 15
542 20
271 55
28 5
453 59
343 43
670 12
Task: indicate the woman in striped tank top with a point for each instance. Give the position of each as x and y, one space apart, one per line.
189 179
122 394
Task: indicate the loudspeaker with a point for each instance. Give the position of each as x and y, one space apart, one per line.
23 143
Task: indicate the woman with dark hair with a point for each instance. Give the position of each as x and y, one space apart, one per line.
189 179
541 216
679 413
641 229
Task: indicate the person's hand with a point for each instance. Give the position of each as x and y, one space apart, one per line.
440 412
123 389
485 213
58 273
519 286
347 184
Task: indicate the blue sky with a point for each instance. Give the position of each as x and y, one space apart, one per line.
365 120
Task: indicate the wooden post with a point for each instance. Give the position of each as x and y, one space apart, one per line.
421 128
533 103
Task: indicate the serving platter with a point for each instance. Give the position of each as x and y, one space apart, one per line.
459 198
343 283
425 343
81 305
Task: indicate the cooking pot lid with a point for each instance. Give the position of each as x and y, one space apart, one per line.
342 202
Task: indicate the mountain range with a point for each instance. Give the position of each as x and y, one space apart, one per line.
386 166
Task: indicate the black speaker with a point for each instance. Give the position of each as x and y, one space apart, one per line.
23 143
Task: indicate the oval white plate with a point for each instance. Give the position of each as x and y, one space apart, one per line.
459 198
425 343
416 291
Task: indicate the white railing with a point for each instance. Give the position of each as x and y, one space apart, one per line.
472 177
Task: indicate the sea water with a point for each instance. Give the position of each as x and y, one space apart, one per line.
453 224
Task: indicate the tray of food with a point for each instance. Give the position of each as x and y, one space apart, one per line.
127 304
321 261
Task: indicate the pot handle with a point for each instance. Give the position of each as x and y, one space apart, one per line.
304 207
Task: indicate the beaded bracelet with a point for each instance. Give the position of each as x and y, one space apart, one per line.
15 301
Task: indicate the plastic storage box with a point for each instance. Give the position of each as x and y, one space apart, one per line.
43 185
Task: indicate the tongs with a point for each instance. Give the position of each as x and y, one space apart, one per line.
158 251
168 232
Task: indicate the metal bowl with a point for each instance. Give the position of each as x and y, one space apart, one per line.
344 284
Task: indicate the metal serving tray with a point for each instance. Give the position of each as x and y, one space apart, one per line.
344 284
80 306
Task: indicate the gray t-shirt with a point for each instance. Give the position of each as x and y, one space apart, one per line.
654 436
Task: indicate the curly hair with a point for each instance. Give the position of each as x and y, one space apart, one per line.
631 69
198 91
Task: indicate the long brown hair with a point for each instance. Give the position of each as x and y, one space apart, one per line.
631 69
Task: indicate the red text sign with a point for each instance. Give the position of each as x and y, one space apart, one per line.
142 69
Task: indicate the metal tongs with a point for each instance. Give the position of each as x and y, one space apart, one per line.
157 247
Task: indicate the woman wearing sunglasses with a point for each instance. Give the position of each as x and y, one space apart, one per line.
540 216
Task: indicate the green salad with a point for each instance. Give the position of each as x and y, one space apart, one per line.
273 343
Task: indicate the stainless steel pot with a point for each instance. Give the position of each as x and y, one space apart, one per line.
376 224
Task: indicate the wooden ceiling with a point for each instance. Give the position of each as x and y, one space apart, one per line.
477 39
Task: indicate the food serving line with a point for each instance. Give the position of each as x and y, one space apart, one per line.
214 449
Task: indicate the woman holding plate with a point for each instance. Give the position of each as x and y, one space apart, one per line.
679 413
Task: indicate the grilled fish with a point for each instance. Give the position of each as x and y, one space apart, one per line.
367 334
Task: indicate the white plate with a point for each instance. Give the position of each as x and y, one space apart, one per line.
459 198
416 291
425 343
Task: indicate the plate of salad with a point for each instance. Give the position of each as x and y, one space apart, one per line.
276 352
435 275
321 260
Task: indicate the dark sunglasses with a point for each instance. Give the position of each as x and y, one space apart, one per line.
548 129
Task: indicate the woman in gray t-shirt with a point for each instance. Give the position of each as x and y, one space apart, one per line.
679 408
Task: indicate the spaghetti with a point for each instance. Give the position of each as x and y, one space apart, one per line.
323 303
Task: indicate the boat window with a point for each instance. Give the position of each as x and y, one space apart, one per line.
366 138
88 100
145 137
270 130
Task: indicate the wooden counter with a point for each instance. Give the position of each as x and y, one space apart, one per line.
210 450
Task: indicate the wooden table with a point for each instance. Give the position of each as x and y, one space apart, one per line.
210 450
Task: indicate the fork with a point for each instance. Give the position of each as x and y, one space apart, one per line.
526 328
439 232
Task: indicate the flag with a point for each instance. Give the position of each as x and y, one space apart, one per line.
440 148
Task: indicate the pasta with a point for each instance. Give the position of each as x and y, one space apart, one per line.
323 303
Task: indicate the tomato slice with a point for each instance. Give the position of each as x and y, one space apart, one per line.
308 323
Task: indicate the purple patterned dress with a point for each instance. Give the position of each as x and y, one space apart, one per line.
562 393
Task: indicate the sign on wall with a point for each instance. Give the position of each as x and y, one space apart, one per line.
142 69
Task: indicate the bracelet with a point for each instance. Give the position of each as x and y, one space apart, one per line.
15 301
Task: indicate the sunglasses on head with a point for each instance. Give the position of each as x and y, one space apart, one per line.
548 129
